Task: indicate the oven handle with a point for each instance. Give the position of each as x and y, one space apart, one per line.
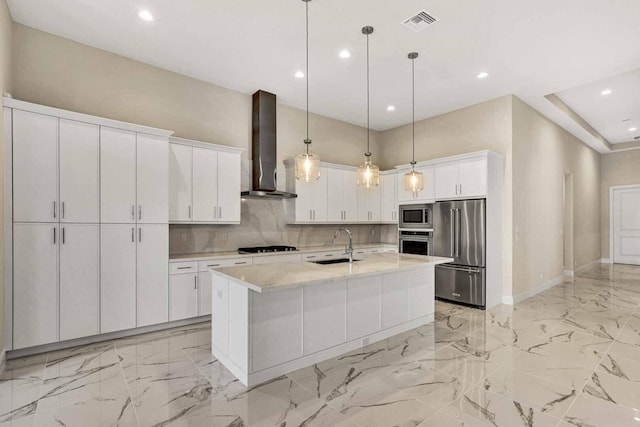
464 269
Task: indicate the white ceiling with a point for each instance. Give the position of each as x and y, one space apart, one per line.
530 48
612 115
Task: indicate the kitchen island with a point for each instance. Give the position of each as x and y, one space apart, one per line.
272 319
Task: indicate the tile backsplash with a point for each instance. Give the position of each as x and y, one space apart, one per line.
263 223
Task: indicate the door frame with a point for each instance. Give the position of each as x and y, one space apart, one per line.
612 190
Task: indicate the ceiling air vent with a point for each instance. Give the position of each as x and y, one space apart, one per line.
420 21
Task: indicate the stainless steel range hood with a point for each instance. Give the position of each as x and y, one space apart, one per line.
263 150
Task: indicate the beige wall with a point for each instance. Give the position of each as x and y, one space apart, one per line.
542 153
615 169
6 50
54 71
485 126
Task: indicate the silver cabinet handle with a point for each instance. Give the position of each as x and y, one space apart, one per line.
139 212
184 268
189 211
133 212
240 263
62 210
133 235
63 234
54 235
139 234
195 282
213 265
54 209
310 214
220 212
460 189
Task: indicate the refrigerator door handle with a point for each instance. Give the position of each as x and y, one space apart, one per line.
453 232
458 232
463 269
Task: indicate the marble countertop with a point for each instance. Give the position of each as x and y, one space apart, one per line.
276 276
235 254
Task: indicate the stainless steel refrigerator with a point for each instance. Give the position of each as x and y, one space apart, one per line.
459 233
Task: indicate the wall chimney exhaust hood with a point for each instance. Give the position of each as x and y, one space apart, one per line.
263 150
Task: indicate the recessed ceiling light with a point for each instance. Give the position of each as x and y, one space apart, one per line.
145 15
344 54
633 129
606 92
391 108
482 75
299 74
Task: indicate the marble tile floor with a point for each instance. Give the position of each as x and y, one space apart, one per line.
569 356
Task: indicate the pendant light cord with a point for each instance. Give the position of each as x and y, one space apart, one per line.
307 141
368 153
413 114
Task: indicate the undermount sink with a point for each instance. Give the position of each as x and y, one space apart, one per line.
333 261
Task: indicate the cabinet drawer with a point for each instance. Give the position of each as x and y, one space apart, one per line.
315 256
219 263
183 267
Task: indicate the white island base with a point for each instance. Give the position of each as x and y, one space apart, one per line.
269 320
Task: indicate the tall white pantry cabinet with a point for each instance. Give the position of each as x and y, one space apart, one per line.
86 223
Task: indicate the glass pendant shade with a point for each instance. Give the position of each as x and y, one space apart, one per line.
307 167
413 181
368 174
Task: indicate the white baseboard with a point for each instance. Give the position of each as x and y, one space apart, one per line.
3 361
606 261
569 273
511 300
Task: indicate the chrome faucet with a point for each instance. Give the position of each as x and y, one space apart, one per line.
349 249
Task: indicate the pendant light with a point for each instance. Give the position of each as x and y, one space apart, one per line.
413 180
307 165
368 174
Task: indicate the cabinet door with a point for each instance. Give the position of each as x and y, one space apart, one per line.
363 306
79 172
79 280
335 195
118 277
324 316
473 177
153 266
350 195
35 167
117 176
35 284
205 184
388 201
180 182
428 192
364 204
229 186
402 194
395 298
375 195
304 201
204 293
153 179
447 180
320 197
183 296
220 315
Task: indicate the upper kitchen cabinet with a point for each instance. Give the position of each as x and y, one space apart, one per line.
341 195
389 197
133 168
368 204
465 178
427 194
311 204
55 169
204 182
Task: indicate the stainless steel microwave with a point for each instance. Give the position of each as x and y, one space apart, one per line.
416 216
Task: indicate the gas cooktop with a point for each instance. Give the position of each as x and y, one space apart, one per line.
264 249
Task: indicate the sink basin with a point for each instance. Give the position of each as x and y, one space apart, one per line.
334 261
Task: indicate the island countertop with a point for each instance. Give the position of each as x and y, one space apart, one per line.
265 277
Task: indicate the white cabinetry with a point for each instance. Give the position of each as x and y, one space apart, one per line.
341 195
35 273
363 306
183 296
311 204
325 312
204 182
389 198
368 204
152 161
152 274
428 193
117 176
79 280
461 179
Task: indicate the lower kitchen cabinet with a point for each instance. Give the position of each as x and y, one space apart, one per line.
183 296
35 290
79 280
153 287
118 277
204 293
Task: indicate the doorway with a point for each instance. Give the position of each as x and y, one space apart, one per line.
625 224
567 227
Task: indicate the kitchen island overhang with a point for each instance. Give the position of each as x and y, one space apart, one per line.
271 319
